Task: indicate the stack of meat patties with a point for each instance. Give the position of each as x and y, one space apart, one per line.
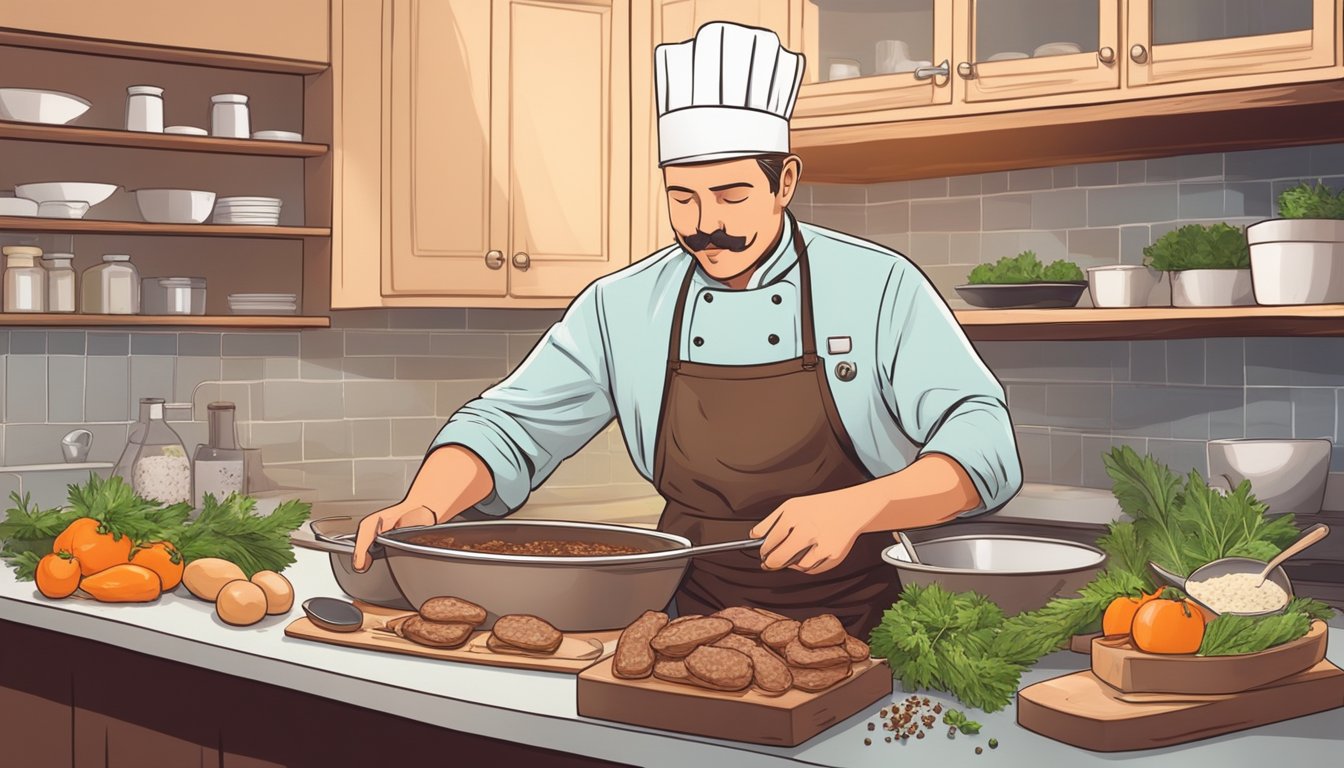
448 622
739 648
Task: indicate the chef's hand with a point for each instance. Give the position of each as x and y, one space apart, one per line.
817 530
399 515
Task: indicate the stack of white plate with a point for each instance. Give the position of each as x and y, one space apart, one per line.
252 211
263 303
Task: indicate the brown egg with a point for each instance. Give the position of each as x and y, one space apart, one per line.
279 592
241 603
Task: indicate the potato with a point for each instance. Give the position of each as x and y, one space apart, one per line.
279 592
204 578
241 603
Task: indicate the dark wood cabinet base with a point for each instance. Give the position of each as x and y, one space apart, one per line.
66 701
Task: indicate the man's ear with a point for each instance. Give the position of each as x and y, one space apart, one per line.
789 178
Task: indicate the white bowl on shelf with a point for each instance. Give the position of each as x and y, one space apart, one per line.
1056 49
175 206
63 209
186 130
33 105
17 206
90 192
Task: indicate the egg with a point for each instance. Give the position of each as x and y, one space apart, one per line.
205 577
241 603
279 592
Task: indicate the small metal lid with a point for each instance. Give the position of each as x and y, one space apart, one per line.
58 256
229 98
144 90
116 257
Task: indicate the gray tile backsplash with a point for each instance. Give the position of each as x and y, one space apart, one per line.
1071 401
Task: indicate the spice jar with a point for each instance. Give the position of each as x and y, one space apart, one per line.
144 108
154 461
113 287
60 282
229 116
25 281
219 464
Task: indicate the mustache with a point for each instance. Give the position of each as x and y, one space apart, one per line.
719 238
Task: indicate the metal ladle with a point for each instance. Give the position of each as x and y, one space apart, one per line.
1271 571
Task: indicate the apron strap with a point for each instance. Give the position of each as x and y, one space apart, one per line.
674 339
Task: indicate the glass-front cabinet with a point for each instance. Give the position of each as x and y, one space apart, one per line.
872 55
1176 40
1012 49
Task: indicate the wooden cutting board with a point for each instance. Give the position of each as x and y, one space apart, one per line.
1081 710
786 720
1117 662
370 638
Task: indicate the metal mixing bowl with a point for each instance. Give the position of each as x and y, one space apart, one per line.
576 594
336 536
1019 573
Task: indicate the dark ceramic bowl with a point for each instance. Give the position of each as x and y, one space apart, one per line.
1023 295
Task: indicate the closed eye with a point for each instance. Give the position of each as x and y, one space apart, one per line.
683 201
735 202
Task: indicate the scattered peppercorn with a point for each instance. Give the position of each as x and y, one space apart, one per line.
867 742
888 739
871 726
952 732
938 708
993 743
979 751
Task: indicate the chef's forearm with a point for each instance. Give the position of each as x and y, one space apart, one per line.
932 490
452 480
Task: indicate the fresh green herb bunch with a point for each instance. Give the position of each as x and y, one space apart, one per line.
1307 201
1025 268
1197 246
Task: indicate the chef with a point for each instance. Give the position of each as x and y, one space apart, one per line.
771 378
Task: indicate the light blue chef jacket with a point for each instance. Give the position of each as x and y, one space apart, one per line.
920 387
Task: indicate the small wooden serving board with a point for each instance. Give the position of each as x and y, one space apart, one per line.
785 720
371 637
1117 662
1081 710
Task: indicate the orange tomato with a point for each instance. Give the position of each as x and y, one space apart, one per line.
123 583
95 551
161 558
58 575
1119 616
1168 626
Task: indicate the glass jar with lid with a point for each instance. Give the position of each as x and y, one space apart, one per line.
25 279
218 466
113 287
60 281
155 461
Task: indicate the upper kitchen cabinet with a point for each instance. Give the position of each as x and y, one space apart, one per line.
874 55
1172 41
291 29
497 137
1013 49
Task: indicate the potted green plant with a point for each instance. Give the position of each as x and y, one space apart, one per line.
1023 281
1209 265
1299 257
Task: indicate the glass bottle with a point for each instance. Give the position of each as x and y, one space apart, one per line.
25 280
155 461
219 464
113 287
60 282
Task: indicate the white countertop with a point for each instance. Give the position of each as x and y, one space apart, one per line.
539 708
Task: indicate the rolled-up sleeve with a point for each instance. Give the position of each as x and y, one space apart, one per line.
943 396
545 411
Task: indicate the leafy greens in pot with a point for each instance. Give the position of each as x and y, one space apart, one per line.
1306 201
1196 246
1025 268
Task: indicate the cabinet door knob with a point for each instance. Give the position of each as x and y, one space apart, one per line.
1138 53
1106 55
494 259
522 261
966 69
926 73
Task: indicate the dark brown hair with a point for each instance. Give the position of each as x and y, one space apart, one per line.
772 165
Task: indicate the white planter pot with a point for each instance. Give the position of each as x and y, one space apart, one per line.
1123 285
1297 261
1211 288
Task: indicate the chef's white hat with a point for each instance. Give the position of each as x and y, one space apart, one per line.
729 92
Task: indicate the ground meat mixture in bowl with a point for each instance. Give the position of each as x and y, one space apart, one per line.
539 547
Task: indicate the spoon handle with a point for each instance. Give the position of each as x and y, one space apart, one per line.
1312 535
909 546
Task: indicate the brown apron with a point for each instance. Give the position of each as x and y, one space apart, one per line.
736 441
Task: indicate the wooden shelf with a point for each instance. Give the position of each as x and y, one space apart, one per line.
159 53
1150 323
38 320
136 140
98 227
1255 118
